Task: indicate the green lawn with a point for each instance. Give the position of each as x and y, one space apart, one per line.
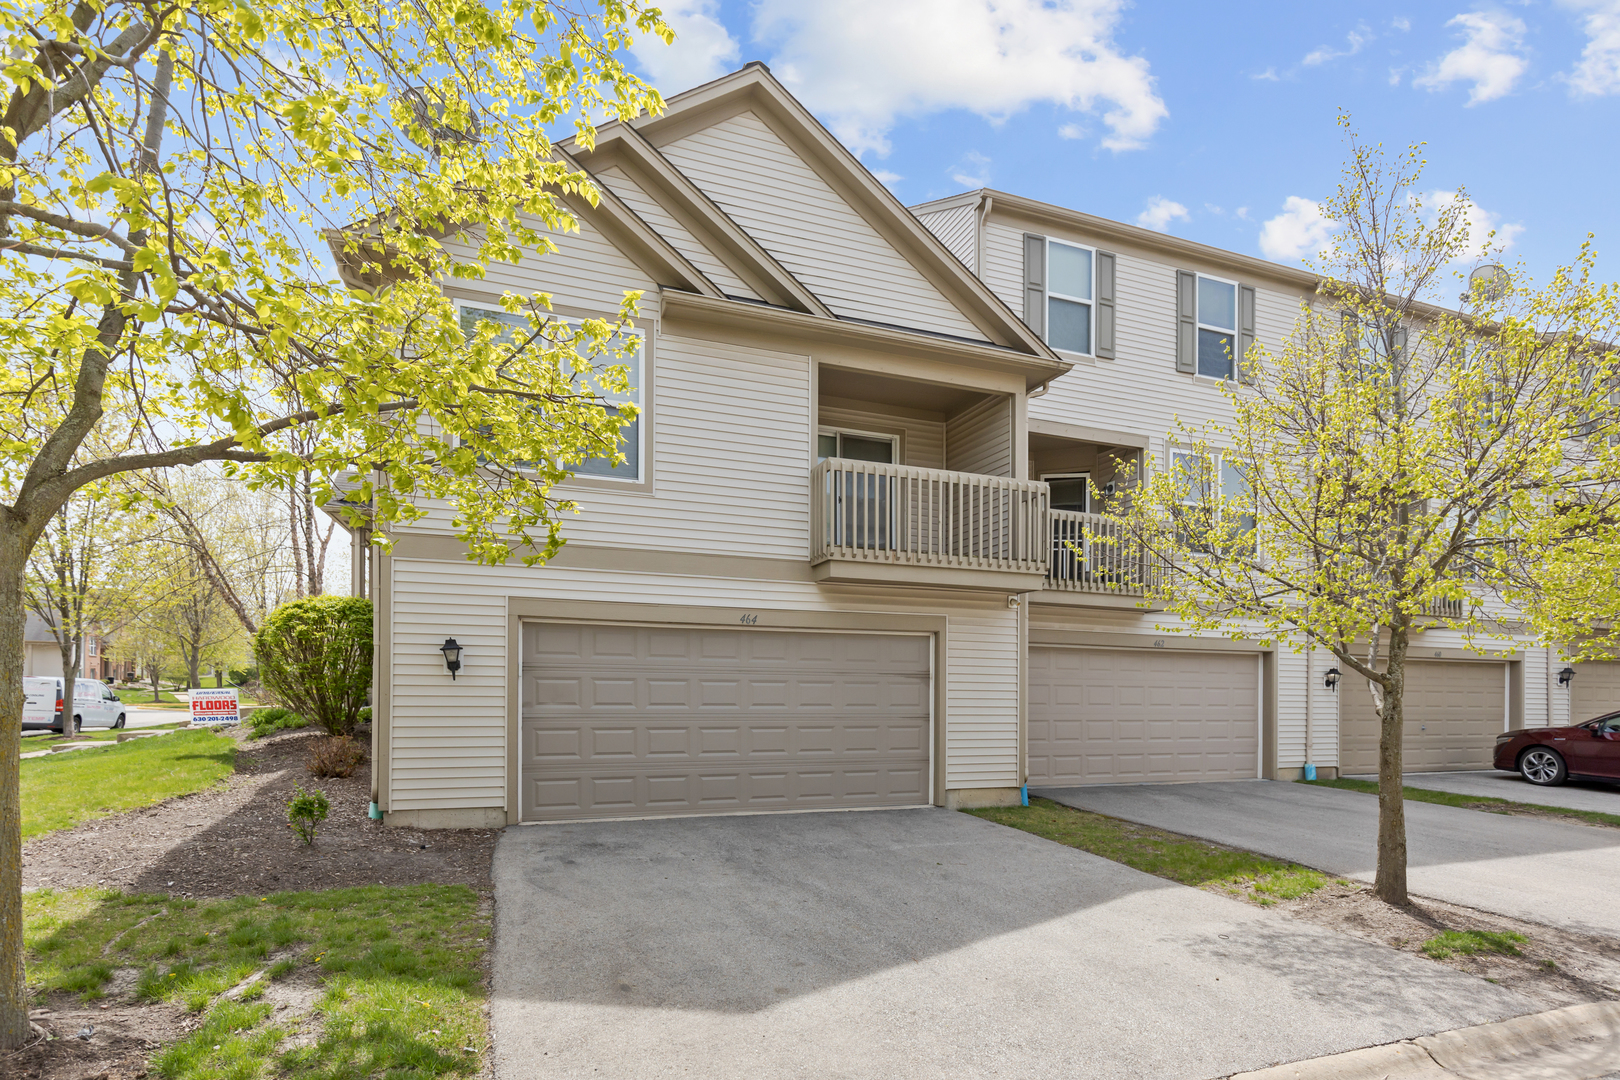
399 975
1163 854
142 695
1476 802
1473 942
64 789
41 742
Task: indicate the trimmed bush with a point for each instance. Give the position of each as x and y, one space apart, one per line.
315 658
335 755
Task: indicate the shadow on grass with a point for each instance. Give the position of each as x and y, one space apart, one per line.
397 972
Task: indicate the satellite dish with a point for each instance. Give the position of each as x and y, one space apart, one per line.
428 112
1491 280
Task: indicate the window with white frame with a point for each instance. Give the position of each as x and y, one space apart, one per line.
1070 295
630 434
855 446
1217 327
1208 486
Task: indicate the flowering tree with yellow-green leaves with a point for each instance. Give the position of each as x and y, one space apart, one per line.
179 180
1395 464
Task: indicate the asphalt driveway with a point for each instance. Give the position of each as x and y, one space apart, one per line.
1573 795
1546 871
914 943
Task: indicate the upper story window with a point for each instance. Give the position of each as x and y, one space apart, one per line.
1210 487
1217 327
630 435
1069 296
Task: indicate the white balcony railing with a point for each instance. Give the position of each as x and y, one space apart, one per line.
864 511
1091 554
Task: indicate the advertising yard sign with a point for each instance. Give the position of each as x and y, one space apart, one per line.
215 706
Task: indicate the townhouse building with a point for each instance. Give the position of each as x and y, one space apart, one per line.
832 572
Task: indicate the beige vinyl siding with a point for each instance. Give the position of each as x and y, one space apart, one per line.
979 439
449 737
586 272
922 442
791 211
729 457
1003 267
955 229
665 224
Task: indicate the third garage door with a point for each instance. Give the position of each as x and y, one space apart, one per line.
1454 711
1134 716
624 721
1595 691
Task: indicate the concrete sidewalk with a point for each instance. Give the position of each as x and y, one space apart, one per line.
1545 871
915 943
1572 795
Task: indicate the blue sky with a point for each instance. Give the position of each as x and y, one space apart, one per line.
1209 122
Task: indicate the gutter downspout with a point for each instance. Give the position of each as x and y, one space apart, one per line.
1309 770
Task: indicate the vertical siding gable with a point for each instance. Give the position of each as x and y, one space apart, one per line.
955 229
679 237
794 214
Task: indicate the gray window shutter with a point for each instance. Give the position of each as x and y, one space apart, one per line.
1245 333
1398 341
1035 283
1186 321
1104 345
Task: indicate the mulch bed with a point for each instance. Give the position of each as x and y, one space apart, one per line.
229 841
235 840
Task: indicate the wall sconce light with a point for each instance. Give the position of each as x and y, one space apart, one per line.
1566 676
1331 679
452 656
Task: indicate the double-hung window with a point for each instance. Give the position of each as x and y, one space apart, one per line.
630 443
1215 497
1217 327
1069 297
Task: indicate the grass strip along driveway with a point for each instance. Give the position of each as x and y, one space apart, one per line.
1477 802
60 791
392 976
1179 858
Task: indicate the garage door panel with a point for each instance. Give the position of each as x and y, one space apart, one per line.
625 721
1141 716
1453 712
1595 691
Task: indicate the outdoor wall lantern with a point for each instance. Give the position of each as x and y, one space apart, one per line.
1566 676
1331 679
452 656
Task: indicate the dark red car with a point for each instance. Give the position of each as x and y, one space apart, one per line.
1551 755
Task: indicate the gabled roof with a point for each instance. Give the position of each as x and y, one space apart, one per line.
753 90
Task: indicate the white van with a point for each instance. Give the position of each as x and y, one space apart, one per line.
94 704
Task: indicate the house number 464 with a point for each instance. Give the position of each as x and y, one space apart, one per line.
749 620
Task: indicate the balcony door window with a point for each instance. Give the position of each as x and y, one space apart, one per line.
1072 492
862 507
855 446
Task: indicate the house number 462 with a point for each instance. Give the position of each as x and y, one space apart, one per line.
749 620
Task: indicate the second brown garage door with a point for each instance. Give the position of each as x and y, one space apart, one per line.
1454 711
1135 716
1594 692
624 721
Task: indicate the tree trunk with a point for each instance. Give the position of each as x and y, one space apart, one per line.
156 675
70 675
194 667
14 1027
1390 884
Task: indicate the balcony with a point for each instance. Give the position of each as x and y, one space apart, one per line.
877 523
1090 555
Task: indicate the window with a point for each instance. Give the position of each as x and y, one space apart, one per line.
1069 297
1070 491
1209 485
629 436
855 446
1217 327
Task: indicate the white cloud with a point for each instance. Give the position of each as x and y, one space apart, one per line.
1160 213
1598 71
704 49
1300 231
1395 76
1488 57
887 178
973 171
1354 41
1071 131
1401 23
1268 75
1242 212
862 65
1477 225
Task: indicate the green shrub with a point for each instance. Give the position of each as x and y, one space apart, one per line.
270 720
305 811
315 658
365 715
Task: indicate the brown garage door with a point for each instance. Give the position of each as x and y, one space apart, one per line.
1454 711
1594 692
1134 716
632 722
